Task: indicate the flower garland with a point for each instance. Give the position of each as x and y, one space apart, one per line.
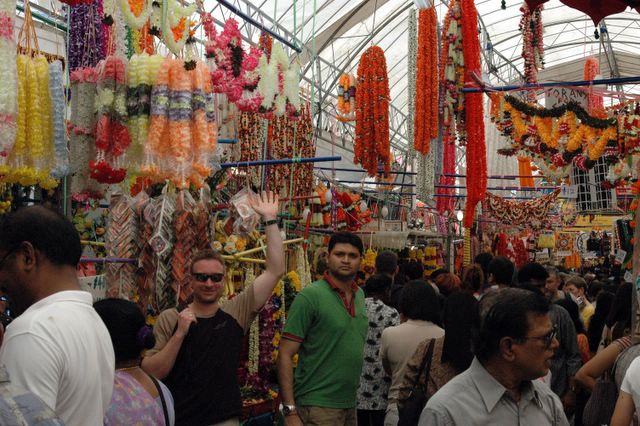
86 38
33 149
9 78
532 45
520 212
141 74
176 28
112 134
452 76
182 131
56 92
557 136
591 71
136 13
474 115
233 70
278 85
372 113
426 100
347 98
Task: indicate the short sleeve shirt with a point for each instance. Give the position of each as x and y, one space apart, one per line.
631 383
374 382
204 378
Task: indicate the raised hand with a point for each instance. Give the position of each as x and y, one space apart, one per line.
265 204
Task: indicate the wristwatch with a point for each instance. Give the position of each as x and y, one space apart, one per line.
287 410
270 222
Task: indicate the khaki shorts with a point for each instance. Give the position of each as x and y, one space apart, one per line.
322 416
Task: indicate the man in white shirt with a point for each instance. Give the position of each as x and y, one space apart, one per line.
58 348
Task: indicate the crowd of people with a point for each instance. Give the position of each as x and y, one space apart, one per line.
495 345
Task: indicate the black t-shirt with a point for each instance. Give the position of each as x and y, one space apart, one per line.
204 379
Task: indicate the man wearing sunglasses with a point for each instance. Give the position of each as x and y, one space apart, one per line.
197 349
513 347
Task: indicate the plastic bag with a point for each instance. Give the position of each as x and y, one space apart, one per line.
247 219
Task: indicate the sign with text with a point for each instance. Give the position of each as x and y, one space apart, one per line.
558 96
569 192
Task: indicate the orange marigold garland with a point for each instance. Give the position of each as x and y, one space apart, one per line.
372 113
426 109
476 149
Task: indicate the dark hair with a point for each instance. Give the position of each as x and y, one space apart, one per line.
472 279
207 254
594 288
507 317
48 232
386 263
604 302
621 307
377 284
483 259
437 272
127 327
345 238
414 271
574 312
321 266
447 283
502 270
460 316
418 301
532 271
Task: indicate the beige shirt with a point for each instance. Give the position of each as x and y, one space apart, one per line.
397 346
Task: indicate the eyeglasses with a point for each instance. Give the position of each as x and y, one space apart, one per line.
547 339
216 278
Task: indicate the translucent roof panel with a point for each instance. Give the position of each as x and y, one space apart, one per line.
340 30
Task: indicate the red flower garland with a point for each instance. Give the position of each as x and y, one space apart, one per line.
372 113
426 114
591 70
476 149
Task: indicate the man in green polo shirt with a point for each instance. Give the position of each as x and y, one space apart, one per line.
326 327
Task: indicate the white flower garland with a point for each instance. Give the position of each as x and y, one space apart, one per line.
8 76
170 14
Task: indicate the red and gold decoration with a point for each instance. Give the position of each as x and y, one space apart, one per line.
591 72
513 212
532 44
556 137
372 149
426 100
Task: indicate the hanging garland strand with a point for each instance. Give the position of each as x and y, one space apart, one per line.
476 149
372 113
426 116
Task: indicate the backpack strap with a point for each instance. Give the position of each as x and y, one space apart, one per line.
165 410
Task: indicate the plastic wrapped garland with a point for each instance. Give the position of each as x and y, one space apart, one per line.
182 131
173 17
56 91
9 78
141 73
112 134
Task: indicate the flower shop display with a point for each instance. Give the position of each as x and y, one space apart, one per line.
372 145
9 78
347 98
426 89
514 212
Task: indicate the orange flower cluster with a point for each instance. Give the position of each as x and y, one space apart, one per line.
426 114
372 113
476 148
